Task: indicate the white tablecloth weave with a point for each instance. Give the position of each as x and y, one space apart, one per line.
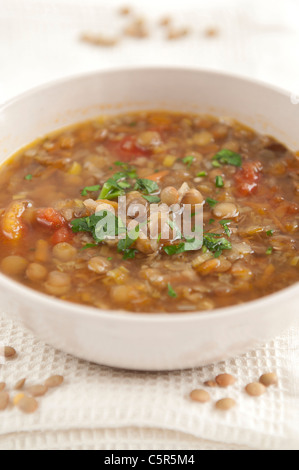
101 408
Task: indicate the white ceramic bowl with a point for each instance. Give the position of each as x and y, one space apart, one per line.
141 341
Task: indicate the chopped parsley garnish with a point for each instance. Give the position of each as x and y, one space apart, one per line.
129 253
128 169
105 225
228 157
224 224
125 245
202 174
110 258
101 225
90 189
117 184
188 160
211 202
269 250
146 186
219 182
171 292
215 244
89 245
189 245
270 233
28 177
211 221
124 185
152 199
174 249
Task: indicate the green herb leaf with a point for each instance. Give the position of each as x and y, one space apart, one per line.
188 160
90 189
28 177
224 224
211 202
202 174
269 250
128 169
126 243
101 225
146 186
227 157
89 245
219 182
191 244
129 253
211 221
171 292
115 186
152 199
174 249
216 245
270 233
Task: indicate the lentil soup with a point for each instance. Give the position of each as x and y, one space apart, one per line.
55 193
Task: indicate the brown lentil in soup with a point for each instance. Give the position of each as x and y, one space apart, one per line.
246 183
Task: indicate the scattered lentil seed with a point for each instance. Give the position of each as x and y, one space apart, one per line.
212 32
17 398
99 40
255 389
27 405
269 379
166 21
225 380
37 390
54 381
177 33
8 352
4 400
200 395
211 383
225 404
137 29
2 386
20 384
124 11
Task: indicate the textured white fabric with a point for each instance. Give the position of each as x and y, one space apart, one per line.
102 408
99 407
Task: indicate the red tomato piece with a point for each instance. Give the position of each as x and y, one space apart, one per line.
247 178
50 218
62 235
127 149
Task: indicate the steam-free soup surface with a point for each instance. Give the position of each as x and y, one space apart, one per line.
56 192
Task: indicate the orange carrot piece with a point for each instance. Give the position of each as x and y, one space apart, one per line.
111 203
158 176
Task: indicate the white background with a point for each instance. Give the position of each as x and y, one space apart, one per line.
39 39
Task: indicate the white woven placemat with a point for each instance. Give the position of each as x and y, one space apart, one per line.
102 408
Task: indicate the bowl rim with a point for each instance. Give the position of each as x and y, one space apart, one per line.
78 309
